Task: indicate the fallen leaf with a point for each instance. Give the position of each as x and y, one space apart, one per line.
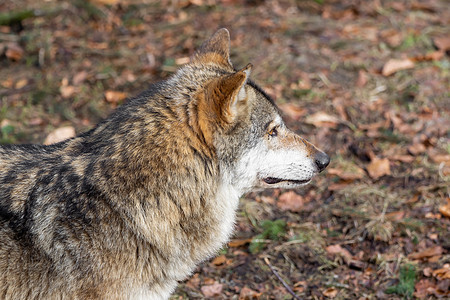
79 77
435 55
440 158
427 253
14 51
430 215
395 65
337 249
238 242
8 83
427 272
398 6
114 96
338 186
402 158
320 119
443 273
424 5
219 260
194 282
354 174
35 121
445 209
300 286
442 42
443 288
417 148
330 292
59 135
106 2
395 216
248 294
212 290
290 201
362 79
208 281
393 37
21 83
378 167
67 91
423 288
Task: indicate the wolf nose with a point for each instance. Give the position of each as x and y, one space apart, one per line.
322 160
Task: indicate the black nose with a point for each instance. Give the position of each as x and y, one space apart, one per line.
322 160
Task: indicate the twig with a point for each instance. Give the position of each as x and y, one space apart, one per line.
11 92
266 260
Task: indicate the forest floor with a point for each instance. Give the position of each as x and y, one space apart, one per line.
366 81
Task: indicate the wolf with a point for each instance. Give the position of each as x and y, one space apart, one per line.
129 208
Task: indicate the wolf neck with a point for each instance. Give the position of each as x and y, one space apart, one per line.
161 177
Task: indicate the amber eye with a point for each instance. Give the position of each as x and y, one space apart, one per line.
273 132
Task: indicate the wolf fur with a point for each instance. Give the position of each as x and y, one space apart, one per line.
128 209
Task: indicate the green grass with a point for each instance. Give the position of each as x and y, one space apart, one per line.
272 230
405 286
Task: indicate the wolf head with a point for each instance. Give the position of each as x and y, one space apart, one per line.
242 123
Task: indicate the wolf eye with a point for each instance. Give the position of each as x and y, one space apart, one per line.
273 132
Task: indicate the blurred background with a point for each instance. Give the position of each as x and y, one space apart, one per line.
366 81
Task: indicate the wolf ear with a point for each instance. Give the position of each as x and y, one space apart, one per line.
217 48
230 95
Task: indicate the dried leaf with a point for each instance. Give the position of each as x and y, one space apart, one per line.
402 158
330 292
21 83
114 96
427 272
442 42
337 249
219 260
106 2
440 158
67 91
428 6
417 148
59 135
427 253
212 290
378 167
362 78
395 215
445 209
194 282
356 173
395 65
79 77
443 273
338 186
320 119
14 52
248 294
423 288
393 37
8 83
290 201
238 242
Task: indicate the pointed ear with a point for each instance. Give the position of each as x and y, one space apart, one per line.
217 48
229 94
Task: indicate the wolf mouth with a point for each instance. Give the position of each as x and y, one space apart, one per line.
273 180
